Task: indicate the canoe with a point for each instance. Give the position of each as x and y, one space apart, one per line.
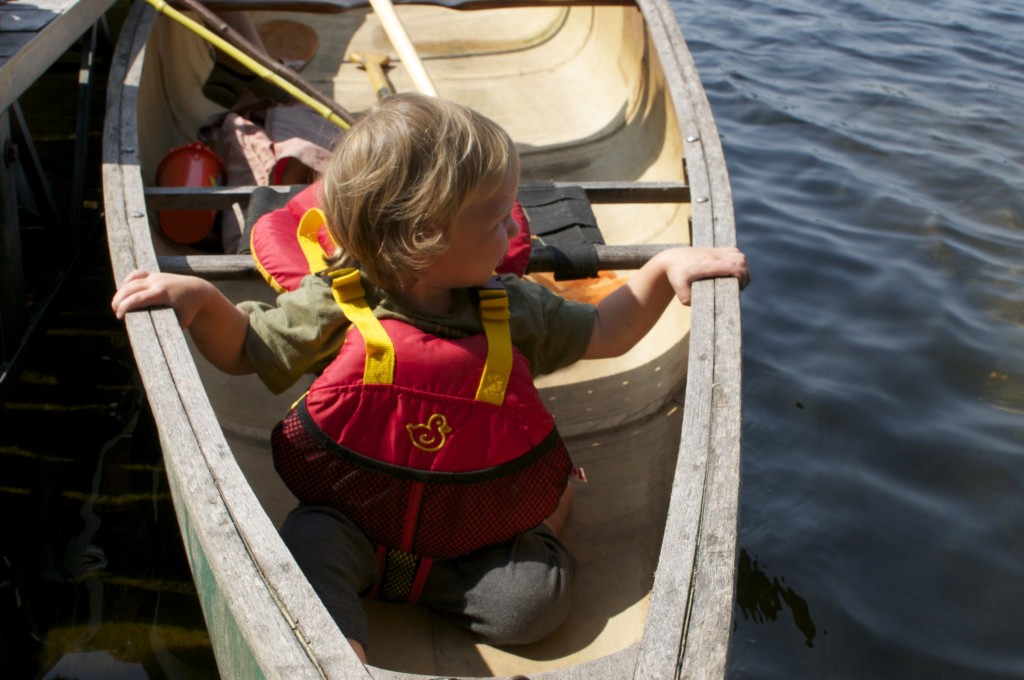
602 96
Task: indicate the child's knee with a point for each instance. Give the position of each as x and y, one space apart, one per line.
530 614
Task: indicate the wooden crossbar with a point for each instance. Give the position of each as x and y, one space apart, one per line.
221 198
542 259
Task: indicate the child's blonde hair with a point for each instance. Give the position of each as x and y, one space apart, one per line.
401 176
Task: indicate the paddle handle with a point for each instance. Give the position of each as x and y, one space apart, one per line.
393 26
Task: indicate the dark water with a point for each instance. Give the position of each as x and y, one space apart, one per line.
877 160
94 583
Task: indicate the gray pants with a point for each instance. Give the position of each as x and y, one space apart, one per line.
513 593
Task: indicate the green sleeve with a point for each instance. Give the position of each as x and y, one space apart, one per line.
551 331
298 334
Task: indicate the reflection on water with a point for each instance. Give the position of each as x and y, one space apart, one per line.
1004 391
93 579
760 598
127 650
94 583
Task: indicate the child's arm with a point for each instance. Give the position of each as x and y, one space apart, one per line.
216 325
625 316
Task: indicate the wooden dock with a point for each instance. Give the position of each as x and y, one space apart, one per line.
33 35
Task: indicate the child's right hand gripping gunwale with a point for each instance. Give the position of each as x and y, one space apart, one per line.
186 295
216 325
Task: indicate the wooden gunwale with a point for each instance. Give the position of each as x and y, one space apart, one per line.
706 487
264 621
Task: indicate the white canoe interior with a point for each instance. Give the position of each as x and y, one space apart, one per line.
582 93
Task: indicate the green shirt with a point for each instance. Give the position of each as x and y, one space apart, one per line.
303 331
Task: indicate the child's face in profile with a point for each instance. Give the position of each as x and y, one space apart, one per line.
478 239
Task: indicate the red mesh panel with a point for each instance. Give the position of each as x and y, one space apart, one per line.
458 513
494 511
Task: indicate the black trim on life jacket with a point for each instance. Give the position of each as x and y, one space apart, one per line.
400 471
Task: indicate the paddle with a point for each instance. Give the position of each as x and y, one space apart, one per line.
385 11
244 52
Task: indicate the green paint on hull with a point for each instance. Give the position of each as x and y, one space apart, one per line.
235 658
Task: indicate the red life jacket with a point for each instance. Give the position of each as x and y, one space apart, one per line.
435 447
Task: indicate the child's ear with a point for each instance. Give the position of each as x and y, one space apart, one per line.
428 231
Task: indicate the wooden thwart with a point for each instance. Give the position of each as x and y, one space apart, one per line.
221 198
542 259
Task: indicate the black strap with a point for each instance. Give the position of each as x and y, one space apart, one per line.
561 218
261 201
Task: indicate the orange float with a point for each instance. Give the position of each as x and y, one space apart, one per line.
191 165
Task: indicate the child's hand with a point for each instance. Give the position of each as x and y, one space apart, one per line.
186 295
216 325
626 315
686 265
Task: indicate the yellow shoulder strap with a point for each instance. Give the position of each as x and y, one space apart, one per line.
309 227
498 367
380 352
